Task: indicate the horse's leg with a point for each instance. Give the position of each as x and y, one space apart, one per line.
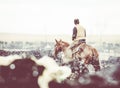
86 62
87 59
96 65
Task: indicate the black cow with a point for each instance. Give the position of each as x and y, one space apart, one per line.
21 73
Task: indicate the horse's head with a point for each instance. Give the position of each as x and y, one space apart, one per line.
60 46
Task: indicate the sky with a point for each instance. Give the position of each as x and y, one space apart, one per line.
99 17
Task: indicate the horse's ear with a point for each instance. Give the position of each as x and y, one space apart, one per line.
60 40
56 40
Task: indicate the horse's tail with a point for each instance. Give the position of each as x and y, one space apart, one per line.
95 54
95 59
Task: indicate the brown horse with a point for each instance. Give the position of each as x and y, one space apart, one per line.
83 52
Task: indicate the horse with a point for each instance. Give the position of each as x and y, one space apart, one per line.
84 52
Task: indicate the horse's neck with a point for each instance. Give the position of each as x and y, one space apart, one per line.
66 44
68 52
65 48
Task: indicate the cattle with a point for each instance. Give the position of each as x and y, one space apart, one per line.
106 78
6 60
29 72
19 71
52 71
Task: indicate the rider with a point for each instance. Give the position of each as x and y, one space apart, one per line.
79 34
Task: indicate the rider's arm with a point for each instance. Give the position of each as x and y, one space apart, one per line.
74 33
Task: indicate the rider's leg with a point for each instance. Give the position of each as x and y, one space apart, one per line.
74 43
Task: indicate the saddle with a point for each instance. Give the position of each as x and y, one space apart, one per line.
78 47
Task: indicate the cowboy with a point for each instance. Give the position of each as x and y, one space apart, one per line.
79 34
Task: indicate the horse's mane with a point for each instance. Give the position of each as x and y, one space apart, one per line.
66 43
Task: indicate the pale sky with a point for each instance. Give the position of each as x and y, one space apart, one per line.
56 16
